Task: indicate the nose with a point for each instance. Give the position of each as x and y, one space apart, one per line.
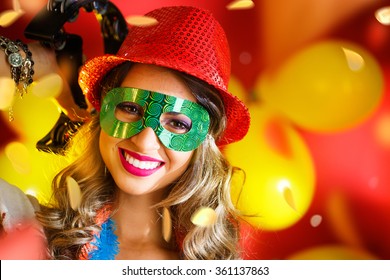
146 140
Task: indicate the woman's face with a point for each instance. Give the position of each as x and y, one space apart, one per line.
141 164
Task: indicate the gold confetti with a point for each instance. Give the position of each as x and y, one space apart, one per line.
141 21
19 156
355 61
383 15
7 87
240 5
8 17
204 217
289 198
284 187
315 220
74 193
340 219
48 86
166 225
382 130
16 5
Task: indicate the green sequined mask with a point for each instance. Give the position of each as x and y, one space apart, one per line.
180 124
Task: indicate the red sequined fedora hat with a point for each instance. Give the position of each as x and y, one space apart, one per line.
187 39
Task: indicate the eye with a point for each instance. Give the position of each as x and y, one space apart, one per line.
128 112
176 122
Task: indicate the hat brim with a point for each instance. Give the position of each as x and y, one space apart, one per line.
94 70
92 74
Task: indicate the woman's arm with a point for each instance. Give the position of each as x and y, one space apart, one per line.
45 63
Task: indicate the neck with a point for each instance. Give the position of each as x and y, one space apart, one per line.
139 228
136 217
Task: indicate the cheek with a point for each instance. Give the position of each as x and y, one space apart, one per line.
180 160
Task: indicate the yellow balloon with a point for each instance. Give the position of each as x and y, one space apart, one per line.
36 179
238 89
279 172
21 163
329 86
33 116
333 252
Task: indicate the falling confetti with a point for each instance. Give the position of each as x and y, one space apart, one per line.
240 5
315 220
74 193
166 225
355 61
204 217
7 87
288 196
382 130
383 15
141 21
8 17
48 86
340 220
19 156
285 189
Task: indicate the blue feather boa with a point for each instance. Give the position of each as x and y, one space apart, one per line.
106 243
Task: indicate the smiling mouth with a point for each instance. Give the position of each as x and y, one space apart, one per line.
139 165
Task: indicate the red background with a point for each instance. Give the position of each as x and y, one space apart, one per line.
351 166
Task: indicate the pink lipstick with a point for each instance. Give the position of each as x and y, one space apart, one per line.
137 164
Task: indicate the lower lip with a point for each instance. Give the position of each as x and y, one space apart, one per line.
134 170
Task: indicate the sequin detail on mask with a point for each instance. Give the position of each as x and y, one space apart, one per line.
154 104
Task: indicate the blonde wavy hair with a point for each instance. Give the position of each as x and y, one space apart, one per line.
205 183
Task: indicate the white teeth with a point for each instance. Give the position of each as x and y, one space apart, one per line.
141 164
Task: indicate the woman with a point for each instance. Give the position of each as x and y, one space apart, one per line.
164 112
